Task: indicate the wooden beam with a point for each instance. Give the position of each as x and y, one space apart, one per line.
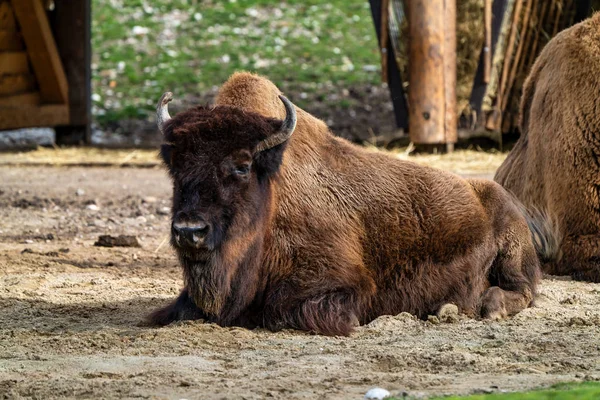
450 109
13 84
7 17
427 102
42 51
19 100
70 22
394 76
11 41
32 116
487 47
14 62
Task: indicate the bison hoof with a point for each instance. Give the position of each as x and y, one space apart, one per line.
493 304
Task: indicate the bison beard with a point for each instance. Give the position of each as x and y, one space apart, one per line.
308 231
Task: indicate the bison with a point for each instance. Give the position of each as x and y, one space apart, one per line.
279 224
555 165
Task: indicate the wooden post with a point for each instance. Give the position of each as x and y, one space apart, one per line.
451 118
432 91
71 25
394 79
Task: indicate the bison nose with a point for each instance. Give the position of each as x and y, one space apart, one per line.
192 234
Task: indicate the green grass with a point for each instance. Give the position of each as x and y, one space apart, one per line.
191 46
563 391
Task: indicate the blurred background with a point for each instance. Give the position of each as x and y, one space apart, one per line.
113 59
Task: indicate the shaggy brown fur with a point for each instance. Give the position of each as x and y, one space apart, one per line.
332 235
555 165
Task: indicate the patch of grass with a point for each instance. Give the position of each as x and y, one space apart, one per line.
563 391
142 48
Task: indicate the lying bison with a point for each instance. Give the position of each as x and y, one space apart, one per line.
278 223
555 165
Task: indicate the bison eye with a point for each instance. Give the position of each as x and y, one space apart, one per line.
242 170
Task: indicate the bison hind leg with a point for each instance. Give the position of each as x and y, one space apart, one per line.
497 303
183 308
513 279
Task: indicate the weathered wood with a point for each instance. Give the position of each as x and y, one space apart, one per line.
13 62
487 47
7 17
70 22
482 90
385 14
10 41
42 51
397 93
9 103
13 84
427 88
514 68
450 112
32 116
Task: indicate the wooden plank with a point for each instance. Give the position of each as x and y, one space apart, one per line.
427 102
450 109
385 19
13 84
20 100
13 62
11 41
42 51
71 23
487 48
32 116
395 81
7 17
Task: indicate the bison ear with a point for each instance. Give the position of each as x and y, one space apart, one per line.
267 162
166 151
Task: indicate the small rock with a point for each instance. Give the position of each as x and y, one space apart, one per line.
448 313
27 250
164 211
92 207
99 223
49 236
141 219
120 241
433 319
64 249
377 394
149 199
80 192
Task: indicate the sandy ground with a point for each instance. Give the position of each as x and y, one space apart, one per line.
69 315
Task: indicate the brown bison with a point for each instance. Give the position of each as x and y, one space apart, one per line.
277 223
555 165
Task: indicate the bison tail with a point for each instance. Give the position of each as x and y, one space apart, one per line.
544 233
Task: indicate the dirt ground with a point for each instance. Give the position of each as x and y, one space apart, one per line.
69 315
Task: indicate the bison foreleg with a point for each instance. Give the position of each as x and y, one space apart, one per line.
183 308
335 313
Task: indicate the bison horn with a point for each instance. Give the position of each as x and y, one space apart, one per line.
286 130
162 111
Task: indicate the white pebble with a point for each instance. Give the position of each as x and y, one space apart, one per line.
92 207
80 192
377 394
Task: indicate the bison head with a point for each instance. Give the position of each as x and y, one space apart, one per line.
221 160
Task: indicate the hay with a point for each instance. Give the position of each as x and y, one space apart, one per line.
82 156
460 162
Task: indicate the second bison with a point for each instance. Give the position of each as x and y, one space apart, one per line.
278 223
